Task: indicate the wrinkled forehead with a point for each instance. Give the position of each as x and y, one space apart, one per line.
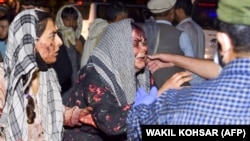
138 34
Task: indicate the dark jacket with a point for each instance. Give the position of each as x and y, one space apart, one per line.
63 71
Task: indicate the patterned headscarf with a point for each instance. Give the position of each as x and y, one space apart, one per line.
19 65
113 58
68 37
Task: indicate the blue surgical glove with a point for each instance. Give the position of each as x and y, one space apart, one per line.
142 97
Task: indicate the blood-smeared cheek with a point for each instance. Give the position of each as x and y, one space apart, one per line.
136 53
47 49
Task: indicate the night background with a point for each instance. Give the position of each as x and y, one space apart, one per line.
56 4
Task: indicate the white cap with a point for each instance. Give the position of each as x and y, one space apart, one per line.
159 6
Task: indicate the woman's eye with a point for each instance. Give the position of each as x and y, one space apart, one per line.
52 36
135 44
144 44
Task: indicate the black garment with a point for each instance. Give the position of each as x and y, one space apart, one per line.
110 118
63 71
1 58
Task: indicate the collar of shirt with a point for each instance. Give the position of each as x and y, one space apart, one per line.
236 66
163 22
185 20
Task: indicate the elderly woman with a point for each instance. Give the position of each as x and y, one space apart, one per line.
33 108
223 100
109 82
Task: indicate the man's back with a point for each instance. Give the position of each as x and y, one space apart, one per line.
196 35
183 11
168 42
169 39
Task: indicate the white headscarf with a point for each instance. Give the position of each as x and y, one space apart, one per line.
68 37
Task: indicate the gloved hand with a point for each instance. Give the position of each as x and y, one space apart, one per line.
142 97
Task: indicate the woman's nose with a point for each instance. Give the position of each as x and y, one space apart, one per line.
58 41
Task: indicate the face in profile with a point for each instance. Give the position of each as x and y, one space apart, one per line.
49 42
140 49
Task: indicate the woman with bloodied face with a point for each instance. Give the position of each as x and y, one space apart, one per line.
108 83
33 108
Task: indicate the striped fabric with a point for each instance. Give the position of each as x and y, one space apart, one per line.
19 65
113 58
221 101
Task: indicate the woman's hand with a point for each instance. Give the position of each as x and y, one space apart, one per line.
85 116
76 117
176 81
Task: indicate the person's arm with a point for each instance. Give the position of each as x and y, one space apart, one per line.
75 116
108 116
175 81
141 115
2 87
186 45
205 68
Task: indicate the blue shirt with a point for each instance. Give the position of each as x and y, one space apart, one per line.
188 50
221 101
185 42
2 48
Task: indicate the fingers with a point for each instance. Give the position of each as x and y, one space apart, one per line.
90 109
155 56
85 118
185 78
155 64
180 78
154 91
160 56
88 120
139 94
86 111
182 74
143 92
176 81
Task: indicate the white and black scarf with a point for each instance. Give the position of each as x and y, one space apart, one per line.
113 58
19 65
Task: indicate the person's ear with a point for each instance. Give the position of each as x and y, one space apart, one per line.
121 16
179 10
226 41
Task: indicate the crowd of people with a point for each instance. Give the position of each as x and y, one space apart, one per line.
55 85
